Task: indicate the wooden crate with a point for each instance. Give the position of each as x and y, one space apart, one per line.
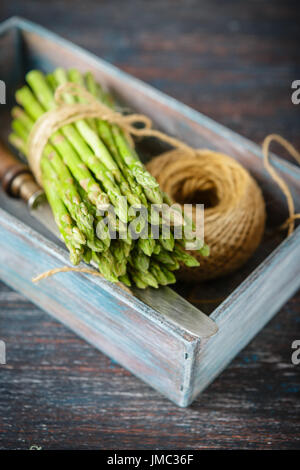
160 339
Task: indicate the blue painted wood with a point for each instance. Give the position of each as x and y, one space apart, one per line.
164 355
247 310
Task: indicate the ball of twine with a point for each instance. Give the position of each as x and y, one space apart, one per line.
234 208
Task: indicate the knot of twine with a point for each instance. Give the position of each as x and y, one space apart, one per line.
234 225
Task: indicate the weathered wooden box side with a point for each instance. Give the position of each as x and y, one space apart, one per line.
113 321
247 311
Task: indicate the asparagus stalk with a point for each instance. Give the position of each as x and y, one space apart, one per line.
125 279
73 238
167 242
106 174
128 154
143 277
131 160
119 253
105 266
139 260
106 133
87 255
156 249
162 274
165 257
73 76
82 125
147 245
79 136
71 234
104 129
128 186
142 176
172 267
67 189
95 194
17 142
185 257
171 279
139 282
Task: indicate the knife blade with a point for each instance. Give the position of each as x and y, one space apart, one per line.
17 181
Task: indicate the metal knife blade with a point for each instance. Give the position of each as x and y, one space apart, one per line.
42 212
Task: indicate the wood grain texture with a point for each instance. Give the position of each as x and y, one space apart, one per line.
59 392
238 410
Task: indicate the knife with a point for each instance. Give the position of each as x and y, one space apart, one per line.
18 181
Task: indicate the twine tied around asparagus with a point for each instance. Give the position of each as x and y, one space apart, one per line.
64 114
290 221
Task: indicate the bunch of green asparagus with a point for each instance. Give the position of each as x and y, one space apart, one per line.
88 166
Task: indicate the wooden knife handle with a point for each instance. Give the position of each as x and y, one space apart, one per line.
10 168
16 178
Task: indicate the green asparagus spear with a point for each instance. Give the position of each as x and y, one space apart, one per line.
144 277
157 272
96 163
139 260
26 98
67 188
73 238
184 257
125 279
105 265
127 184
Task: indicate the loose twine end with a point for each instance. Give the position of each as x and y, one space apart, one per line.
66 269
290 222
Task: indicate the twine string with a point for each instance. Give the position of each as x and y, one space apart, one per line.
65 269
290 221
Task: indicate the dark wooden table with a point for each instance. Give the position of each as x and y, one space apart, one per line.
235 62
